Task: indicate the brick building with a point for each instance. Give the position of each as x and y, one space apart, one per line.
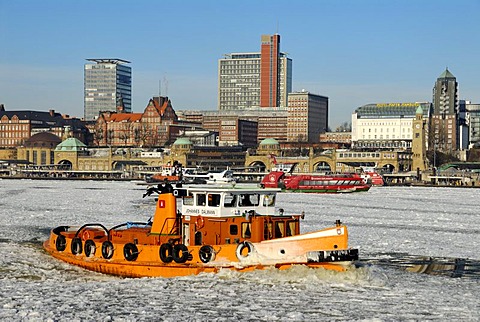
158 125
18 126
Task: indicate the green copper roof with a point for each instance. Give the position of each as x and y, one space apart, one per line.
446 74
70 144
392 110
269 141
182 141
419 110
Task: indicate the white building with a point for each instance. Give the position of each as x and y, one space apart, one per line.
385 125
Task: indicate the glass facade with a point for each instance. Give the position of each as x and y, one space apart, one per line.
106 81
239 81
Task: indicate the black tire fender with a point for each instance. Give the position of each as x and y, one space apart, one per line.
76 246
107 249
206 253
165 252
90 248
130 252
180 253
60 243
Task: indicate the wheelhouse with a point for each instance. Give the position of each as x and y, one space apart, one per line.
235 215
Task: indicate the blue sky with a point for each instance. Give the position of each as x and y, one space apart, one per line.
354 52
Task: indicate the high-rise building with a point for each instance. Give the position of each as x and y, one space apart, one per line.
445 109
472 112
107 86
253 80
307 117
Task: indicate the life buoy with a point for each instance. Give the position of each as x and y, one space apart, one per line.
206 253
76 247
200 222
90 248
165 252
61 243
130 252
241 247
107 249
180 253
85 235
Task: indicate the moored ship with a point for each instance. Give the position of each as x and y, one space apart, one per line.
218 227
316 183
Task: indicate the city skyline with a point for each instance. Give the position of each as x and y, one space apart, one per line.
353 52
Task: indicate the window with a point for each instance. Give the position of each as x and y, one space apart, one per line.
248 200
279 228
188 200
267 230
213 200
230 200
269 200
201 199
291 228
246 231
233 230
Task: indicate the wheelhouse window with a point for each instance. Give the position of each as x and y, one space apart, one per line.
230 200
269 200
201 199
249 200
213 200
188 200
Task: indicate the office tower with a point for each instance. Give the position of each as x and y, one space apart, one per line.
445 109
307 117
107 85
253 80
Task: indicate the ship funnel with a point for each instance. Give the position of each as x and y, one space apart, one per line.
165 218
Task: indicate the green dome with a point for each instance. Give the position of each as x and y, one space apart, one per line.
182 141
71 144
419 110
269 141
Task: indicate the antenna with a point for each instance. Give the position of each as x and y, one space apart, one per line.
159 89
165 82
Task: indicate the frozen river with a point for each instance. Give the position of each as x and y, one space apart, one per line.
388 224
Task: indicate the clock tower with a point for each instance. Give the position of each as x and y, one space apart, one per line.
419 142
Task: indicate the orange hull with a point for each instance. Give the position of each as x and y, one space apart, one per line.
149 264
124 268
179 245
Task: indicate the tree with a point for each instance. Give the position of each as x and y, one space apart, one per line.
110 136
137 135
344 127
124 134
98 136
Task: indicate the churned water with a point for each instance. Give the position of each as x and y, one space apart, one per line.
392 226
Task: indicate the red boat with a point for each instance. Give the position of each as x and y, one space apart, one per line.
373 177
329 183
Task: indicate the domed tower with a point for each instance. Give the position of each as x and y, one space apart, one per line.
269 146
179 150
